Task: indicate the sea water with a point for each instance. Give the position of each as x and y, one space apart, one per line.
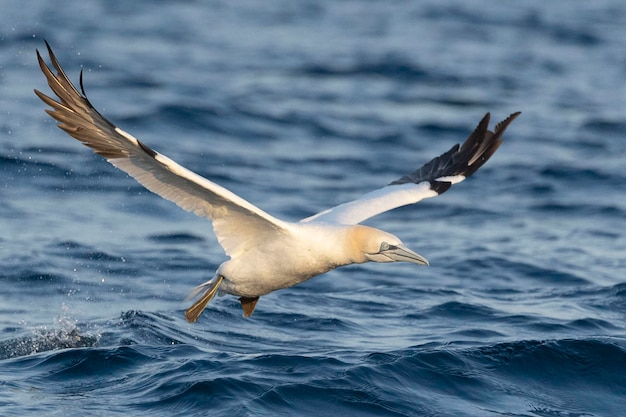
297 107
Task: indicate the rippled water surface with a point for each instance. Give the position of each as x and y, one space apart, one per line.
298 106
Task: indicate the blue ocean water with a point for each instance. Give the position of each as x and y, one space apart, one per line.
298 106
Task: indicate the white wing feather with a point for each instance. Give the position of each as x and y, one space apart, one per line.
373 203
432 179
238 224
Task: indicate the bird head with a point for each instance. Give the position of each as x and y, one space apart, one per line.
379 246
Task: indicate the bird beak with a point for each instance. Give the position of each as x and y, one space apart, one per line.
402 254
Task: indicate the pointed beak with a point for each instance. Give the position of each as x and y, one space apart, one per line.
402 254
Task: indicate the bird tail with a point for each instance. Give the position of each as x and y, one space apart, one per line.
196 309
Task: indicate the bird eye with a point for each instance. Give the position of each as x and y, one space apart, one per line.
384 246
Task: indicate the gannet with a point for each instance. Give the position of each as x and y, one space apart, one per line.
266 253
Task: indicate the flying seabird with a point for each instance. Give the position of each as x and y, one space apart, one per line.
267 253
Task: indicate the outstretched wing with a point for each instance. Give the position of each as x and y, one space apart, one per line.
236 222
430 180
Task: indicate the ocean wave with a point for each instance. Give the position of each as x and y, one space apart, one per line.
146 361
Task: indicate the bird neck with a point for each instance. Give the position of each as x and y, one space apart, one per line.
334 245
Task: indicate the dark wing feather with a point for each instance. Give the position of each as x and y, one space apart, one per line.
461 160
432 179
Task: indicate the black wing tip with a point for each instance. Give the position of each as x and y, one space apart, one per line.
462 159
480 146
48 47
41 61
440 187
80 82
60 73
62 86
501 127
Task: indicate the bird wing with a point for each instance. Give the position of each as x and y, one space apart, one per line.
430 180
238 224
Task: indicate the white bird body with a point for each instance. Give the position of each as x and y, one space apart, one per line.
299 252
279 263
266 253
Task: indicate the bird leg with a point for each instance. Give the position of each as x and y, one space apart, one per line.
248 304
196 309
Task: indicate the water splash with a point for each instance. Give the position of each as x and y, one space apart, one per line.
65 333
